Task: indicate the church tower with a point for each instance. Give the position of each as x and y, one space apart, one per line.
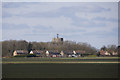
57 39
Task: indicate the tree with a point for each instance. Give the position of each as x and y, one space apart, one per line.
29 47
104 48
8 47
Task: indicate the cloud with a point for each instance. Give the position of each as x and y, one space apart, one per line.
7 26
41 9
30 8
58 22
105 19
83 22
13 4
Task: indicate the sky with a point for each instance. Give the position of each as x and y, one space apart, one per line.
95 23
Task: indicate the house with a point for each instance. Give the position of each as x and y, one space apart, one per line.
36 52
78 54
54 54
47 53
115 53
62 53
31 52
81 53
104 53
69 53
74 52
20 52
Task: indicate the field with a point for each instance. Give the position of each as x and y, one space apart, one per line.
99 67
62 60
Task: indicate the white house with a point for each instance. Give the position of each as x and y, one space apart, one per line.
19 52
74 52
31 52
114 53
62 53
47 53
106 53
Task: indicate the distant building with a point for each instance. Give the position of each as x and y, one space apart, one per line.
31 52
74 52
57 39
47 53
54 53
69 53
104 53
107 54
114 53
36 52
62 53
19 52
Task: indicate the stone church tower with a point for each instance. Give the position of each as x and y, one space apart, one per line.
57 39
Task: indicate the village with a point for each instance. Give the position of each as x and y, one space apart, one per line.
58 53
39 53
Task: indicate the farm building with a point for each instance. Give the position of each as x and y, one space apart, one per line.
19 52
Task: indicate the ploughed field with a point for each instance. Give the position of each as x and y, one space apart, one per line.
60 67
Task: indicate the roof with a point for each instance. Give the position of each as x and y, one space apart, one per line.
21 51
54 53
37 51
69 53
102 52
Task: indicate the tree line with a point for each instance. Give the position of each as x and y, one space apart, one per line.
110 48
9 46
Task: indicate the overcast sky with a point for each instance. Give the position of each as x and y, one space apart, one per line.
91 22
